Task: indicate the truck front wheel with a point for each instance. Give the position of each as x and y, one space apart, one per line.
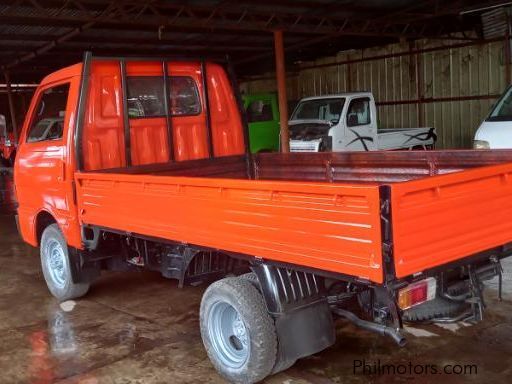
56 267
238 333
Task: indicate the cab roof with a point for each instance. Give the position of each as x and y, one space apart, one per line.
336 95
64 73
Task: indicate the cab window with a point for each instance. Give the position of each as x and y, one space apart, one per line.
259 111
358 112
48 120
146 96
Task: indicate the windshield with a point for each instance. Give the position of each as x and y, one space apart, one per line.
319 109
503 108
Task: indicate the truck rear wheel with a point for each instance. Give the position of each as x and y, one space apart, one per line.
56 267
238 333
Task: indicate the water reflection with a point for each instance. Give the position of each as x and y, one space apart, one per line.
61 334
55 351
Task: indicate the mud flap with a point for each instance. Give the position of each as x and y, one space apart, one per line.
82 271
298 303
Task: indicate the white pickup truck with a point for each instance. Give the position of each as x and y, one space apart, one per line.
348 122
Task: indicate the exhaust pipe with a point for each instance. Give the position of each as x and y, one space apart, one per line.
370 326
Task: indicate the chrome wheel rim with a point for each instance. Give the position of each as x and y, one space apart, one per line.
228 335
55 262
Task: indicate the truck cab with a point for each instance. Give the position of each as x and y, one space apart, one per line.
348 122
262 113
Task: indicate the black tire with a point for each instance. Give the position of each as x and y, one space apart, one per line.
251 276
280 364
434 309
261 341
58 279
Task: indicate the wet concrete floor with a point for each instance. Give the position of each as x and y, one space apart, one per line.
140 328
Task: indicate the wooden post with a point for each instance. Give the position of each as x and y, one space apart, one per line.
281 90
11 106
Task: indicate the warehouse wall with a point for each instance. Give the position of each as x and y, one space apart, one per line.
446 84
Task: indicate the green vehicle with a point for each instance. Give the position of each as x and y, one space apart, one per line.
263 117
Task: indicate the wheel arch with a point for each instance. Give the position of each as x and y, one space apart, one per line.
42 220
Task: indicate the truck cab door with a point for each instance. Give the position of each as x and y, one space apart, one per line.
263 118
40 167
361 131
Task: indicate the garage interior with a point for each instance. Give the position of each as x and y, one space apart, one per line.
427 62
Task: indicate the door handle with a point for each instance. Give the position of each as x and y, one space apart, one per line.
62 170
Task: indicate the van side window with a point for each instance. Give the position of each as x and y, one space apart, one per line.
146 96
259 110
48 120
358 112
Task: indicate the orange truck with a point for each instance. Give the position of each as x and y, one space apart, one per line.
129 163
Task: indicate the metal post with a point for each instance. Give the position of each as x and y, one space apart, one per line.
243 116
206 97
281 90
167 106
80 110
126 119
11 106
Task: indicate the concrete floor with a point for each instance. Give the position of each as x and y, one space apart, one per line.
140 328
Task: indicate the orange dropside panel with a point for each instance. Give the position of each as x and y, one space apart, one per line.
103 136
227 129
331 227
445 218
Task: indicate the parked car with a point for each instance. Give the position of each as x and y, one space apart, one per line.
262 113
290 240
348 122
7 144
495 132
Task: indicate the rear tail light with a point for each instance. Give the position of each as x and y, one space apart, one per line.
417 293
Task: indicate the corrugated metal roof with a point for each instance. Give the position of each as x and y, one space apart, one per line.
242 29
495 23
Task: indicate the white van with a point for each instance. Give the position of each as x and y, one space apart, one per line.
496 130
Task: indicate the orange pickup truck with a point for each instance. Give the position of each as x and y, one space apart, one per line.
143 163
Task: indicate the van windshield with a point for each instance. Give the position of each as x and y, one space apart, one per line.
502 111
319 109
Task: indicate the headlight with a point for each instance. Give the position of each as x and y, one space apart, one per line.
481 144
7 143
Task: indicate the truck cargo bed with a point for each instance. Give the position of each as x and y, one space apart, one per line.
320 210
